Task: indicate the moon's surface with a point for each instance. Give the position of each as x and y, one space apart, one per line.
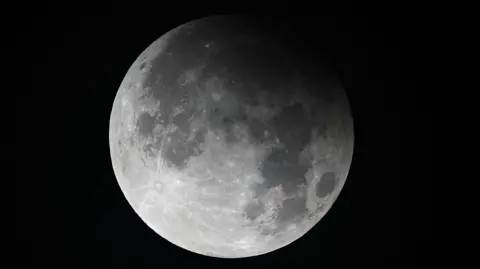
228 140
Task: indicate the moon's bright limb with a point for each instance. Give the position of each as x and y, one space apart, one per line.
195 187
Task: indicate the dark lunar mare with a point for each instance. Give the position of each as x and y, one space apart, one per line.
185 51
234 46
284 167
326 184
145 124
254 51
179 149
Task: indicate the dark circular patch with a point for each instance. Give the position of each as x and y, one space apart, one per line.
326 184
145 124
259 189
293 127
290 116
253 210
281 167
292 209
257 129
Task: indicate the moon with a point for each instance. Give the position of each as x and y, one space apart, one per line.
228 138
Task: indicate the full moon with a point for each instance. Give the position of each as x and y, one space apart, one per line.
230 138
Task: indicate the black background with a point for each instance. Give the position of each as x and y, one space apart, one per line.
70 210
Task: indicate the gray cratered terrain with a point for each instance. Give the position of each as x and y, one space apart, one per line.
228 140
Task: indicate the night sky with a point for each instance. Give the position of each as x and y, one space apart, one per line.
70 210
